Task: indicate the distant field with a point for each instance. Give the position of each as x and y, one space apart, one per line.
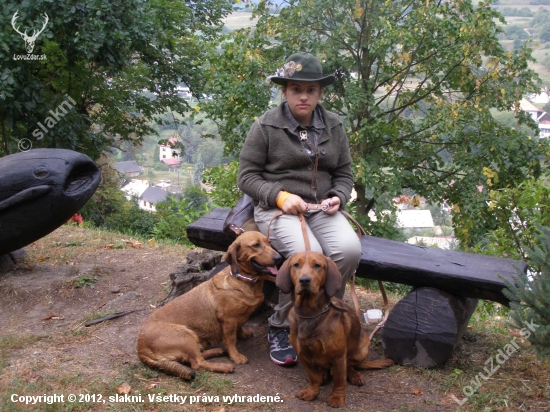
518 4
540 52
542 55
520 21
239 20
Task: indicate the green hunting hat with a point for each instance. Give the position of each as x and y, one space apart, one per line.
302 67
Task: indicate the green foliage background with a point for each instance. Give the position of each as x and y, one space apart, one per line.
103 54
416 83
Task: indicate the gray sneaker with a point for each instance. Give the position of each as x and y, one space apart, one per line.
280 350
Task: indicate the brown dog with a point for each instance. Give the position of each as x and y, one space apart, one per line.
324 331
212 313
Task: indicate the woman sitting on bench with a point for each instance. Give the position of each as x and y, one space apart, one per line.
296 158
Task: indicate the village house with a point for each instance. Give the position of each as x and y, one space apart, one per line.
129 168
150 197
170 155
168 187
538 115
135 188
542 98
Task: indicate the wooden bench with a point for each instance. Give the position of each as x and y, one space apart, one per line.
461 274
425 326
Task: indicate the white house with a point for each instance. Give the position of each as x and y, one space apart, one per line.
542 98
151 197
167 186
135 188
538 115
415 219
169 154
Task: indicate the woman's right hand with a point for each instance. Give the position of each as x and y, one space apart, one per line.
293 204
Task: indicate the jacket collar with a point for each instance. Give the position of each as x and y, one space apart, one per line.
275 118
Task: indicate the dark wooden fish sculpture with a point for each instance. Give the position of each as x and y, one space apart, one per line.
41 189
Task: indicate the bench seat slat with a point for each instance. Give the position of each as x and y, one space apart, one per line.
462 274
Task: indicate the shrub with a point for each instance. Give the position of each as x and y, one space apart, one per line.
107 200
383 224
132 220
518 211
223 179
530 296
162 167
175 215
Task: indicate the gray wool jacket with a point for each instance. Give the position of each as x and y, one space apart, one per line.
273 159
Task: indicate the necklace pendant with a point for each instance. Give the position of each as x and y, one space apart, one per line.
303 135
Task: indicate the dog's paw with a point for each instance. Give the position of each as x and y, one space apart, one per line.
336 401
307 395
245 333
239 359
229 369
355 378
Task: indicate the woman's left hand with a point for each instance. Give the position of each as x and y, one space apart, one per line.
333 203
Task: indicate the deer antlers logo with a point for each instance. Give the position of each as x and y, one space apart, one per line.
29 40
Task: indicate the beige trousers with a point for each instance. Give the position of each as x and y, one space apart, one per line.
331 235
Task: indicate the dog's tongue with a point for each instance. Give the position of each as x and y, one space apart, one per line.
273 270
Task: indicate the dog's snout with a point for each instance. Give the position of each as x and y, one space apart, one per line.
305 280
277 259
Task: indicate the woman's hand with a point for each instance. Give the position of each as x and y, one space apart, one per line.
333 205
292 205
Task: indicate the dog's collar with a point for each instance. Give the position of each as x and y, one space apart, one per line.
324 310
239 276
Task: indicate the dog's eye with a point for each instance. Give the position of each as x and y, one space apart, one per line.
256 245
296 265
317 266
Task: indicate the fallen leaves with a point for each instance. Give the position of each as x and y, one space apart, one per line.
123 389
134 244
151 385
53 317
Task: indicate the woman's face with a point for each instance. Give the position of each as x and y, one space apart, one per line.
302 97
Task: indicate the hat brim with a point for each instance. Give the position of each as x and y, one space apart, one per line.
323 81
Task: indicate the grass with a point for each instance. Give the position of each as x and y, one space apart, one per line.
10 342
34 380
101 393
69 243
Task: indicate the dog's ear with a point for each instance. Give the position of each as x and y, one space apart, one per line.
333 281
283 280
231 257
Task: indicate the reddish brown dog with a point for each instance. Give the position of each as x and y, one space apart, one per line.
212 313
324 331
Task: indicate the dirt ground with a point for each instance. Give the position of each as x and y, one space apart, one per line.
69 278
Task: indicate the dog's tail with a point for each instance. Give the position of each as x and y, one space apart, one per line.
375 364
172 368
